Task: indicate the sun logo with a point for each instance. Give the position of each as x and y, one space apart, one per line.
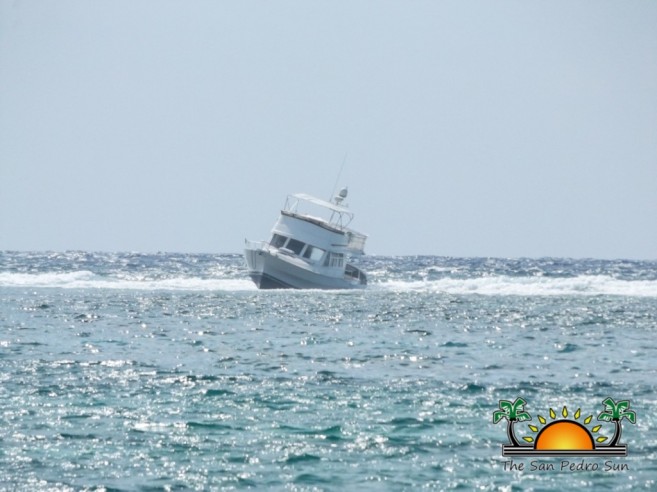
564 436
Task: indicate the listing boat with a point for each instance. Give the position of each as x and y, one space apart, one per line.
309 247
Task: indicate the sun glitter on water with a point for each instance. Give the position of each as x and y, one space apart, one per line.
565 434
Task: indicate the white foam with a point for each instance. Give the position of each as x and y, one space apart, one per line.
585 285
88 280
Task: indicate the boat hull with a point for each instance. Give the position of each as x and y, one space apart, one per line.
266 281
272 270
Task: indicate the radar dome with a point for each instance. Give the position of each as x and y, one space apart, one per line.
342 194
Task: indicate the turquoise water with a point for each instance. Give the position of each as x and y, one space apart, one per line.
171 372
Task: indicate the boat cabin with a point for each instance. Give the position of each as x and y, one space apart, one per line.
317 231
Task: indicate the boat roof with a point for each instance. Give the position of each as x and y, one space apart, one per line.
322 203
332 214
338 221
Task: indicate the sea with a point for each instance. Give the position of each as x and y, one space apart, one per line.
149 372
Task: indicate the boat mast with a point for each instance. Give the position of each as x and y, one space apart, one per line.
335 185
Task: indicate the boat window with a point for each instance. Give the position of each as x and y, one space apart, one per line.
334 260
277 241
295 246
314 253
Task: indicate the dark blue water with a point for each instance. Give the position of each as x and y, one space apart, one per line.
163 372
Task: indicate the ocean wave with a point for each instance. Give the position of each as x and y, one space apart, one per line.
499 285
88 280
583 285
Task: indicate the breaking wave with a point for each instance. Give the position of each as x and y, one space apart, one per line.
502 285
88 280
584 285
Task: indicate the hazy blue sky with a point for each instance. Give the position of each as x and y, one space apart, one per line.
471 128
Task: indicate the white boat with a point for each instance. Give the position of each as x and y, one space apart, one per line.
309 247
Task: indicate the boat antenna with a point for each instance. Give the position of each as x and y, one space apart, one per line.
335 185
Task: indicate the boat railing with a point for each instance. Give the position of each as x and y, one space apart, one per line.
249 244
316 209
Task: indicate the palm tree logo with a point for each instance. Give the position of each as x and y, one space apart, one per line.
615 412
512 412
564 435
